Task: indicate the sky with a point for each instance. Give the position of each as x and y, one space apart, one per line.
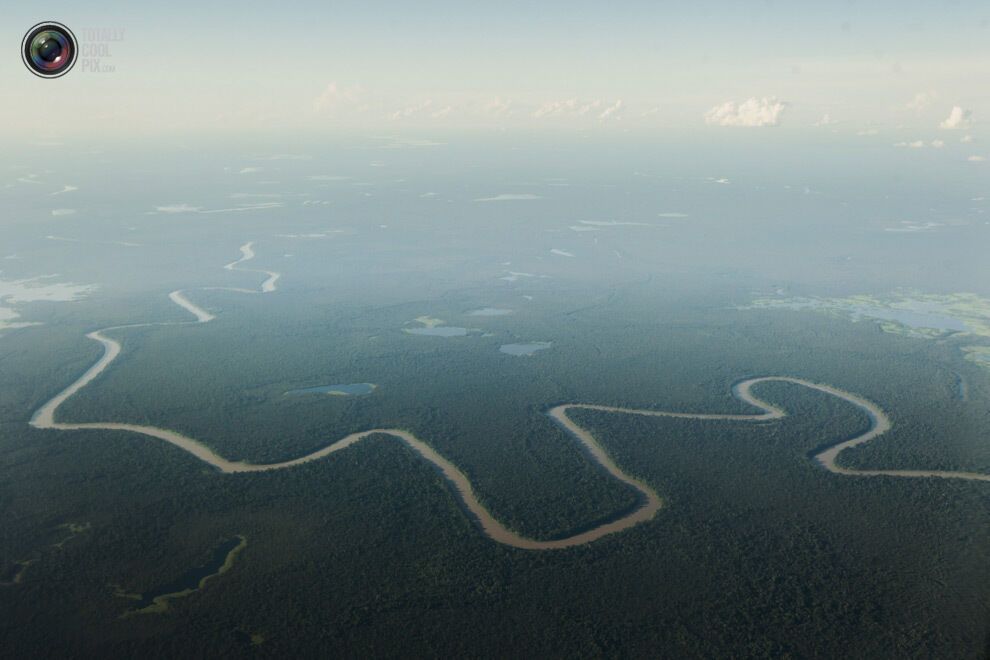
920 71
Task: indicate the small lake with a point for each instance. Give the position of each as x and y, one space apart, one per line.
341 389
439 331
524 349
932 315
490 311
921 316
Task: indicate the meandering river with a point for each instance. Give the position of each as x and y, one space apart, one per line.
651 503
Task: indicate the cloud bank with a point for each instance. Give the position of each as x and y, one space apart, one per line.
751 113
958 119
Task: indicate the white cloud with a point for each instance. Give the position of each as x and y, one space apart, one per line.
920 144
826 120
249 170
555 108
958 119
612 111
411 110
334 97
498 107
65 189
589 107
966 139
61 212
976 159
868 131
750 113
562 253
575 107
394 142
921 101
442 112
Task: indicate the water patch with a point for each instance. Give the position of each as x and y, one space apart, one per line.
614 223
524 349
514 276
74 530
441 331
14 573
910 313
249 638
913 314
342 389
508 197
156 600
922 317
490 311
908 227
15 292
433 327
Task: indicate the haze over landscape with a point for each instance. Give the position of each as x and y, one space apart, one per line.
546 331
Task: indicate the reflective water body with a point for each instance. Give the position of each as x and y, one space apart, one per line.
439 331
524 349
343 389
193 579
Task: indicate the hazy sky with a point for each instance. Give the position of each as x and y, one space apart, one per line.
187 66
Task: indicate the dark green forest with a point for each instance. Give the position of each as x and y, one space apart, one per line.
757 551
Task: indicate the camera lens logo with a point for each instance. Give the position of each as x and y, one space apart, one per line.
49 50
